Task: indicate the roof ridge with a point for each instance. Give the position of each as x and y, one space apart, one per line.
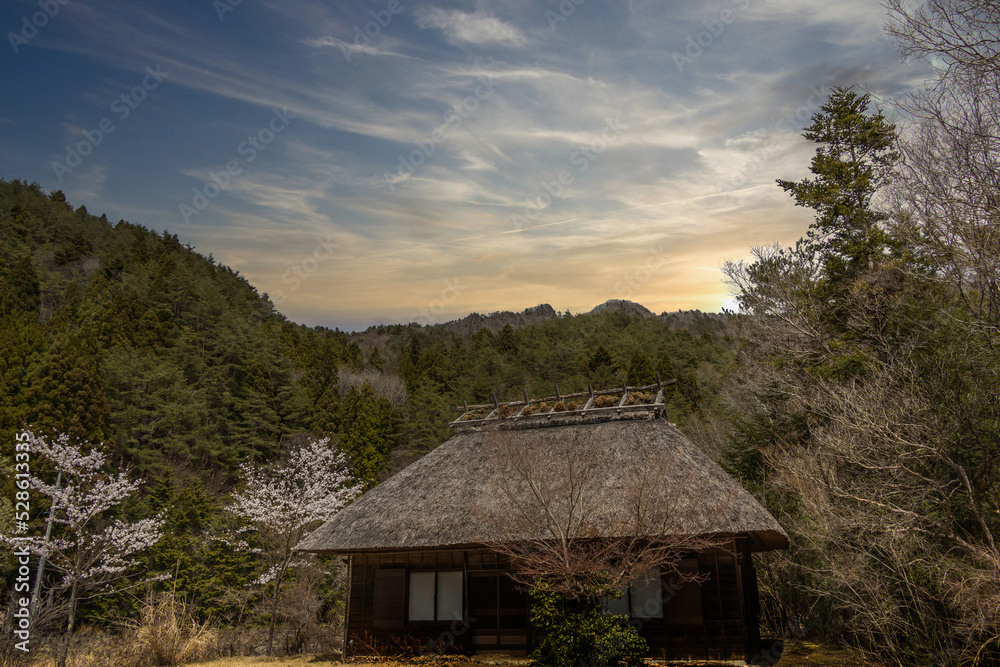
629 400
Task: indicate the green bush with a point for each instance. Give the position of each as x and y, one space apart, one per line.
578 633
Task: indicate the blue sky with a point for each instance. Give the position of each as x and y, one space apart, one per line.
400 160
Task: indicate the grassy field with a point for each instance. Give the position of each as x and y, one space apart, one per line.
797 654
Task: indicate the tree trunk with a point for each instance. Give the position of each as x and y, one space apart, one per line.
274 602
71 621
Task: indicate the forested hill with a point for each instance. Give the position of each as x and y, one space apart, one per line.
117 334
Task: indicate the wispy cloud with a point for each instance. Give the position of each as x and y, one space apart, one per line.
690 173
465 28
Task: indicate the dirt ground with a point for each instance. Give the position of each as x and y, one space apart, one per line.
796 654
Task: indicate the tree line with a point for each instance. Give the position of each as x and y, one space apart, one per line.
172 367
863 406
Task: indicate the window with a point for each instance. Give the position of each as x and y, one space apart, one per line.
643 598
644 594
436 596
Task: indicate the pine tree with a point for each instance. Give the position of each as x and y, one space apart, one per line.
375 359
667 373
640 370
507 341
364 433
854 160
20 290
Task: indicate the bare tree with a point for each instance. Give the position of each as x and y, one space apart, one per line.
385 385
947 196
565 524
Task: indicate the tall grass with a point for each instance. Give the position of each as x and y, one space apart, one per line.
166 634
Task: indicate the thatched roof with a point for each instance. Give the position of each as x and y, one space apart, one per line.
441 500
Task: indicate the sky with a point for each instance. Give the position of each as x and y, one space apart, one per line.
417 160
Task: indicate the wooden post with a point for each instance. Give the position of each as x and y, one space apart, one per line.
347 605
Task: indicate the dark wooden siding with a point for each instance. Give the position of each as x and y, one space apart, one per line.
364 636
728 630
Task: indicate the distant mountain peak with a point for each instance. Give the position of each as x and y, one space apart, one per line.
473 322
624 306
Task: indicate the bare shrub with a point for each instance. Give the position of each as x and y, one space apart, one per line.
385 385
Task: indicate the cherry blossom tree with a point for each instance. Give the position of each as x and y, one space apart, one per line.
91 551
287 501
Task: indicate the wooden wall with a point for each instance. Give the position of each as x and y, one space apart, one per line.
428 637
728 631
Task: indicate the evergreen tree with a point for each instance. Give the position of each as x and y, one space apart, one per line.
365 423
20 290
326 413
640 370
375 359
667 373
600 358
854 160
507 341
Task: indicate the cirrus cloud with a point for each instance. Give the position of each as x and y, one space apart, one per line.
477 28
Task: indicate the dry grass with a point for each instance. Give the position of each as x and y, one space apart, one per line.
328 661
796 654
167 634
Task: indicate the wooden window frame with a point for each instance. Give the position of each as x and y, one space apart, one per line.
436 620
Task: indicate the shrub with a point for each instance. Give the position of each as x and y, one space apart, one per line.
581 632
168 634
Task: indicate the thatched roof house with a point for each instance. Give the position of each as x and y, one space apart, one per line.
418 542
